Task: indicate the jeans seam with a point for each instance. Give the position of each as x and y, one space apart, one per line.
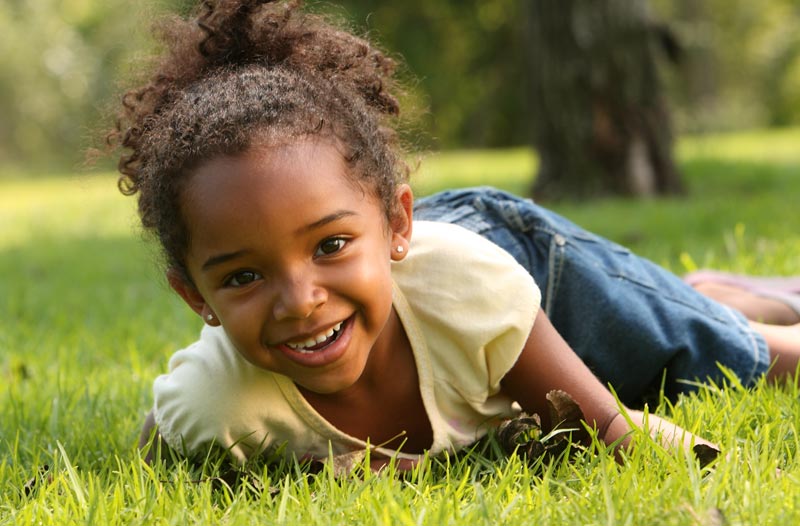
555 264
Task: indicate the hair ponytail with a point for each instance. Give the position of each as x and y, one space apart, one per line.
228 28
242 32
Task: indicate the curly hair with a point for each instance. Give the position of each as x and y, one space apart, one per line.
242 71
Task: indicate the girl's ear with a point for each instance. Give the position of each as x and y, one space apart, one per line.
189 293
401 221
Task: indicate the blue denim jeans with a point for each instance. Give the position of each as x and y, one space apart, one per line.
636 325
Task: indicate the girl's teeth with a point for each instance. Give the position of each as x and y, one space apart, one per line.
316 340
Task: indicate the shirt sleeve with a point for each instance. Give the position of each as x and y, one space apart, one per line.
475 305
211 395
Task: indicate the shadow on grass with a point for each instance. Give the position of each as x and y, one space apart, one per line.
63 292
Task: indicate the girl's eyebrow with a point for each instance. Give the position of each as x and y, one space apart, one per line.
221 258
335 216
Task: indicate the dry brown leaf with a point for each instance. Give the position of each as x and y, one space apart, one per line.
524 434
565 413
705 454
41 478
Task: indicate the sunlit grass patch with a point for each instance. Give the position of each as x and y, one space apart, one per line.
756 146
511 170
62 207
87 322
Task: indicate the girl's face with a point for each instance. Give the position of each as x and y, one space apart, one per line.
292 257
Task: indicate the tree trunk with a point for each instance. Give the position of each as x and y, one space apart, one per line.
600 121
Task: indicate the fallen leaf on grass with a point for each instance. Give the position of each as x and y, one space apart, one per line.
524 434
705 454
345 463
564 411
41 478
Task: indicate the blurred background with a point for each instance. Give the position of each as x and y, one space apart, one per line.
477 69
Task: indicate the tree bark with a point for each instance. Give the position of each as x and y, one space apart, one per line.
600 122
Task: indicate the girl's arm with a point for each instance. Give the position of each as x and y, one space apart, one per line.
547 362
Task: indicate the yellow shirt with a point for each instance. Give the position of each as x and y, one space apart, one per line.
467 308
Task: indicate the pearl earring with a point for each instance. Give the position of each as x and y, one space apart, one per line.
400 249
210 317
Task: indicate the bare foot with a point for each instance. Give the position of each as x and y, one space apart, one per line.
784 348
754 307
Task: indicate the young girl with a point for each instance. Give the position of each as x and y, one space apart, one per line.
340 314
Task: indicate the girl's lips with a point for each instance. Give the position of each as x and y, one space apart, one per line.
326 355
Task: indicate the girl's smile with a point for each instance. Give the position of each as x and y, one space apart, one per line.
292 257
327 347
318 342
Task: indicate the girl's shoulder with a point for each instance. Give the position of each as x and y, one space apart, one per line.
210 394
462 288
444 255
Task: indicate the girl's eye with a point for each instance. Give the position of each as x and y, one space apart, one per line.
330 246
240 279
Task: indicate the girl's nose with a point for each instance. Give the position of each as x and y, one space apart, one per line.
298 298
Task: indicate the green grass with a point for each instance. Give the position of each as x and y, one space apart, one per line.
87 322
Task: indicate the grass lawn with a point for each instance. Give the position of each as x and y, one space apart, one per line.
87 322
